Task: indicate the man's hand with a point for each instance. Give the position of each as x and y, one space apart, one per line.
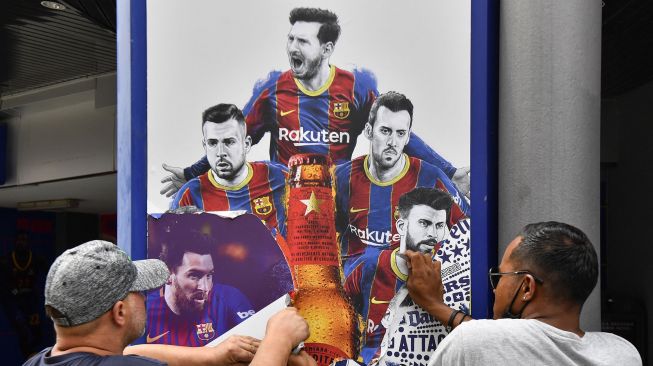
462 180
174 181
234 350
424 280
289 325
301 359
284 331
425 285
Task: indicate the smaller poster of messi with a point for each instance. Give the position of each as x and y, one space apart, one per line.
222 271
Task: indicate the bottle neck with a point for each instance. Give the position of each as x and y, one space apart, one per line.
317 276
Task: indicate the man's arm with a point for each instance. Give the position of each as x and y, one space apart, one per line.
179 176
418 148
463 207
426 289
459 176
235 350
259 115
284 331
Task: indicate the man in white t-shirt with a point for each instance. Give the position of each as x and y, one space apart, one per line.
545 276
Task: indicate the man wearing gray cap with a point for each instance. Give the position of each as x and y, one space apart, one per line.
94 295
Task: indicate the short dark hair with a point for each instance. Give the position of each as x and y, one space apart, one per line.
432 197
172 252
393 101
560 254
329 28
222 113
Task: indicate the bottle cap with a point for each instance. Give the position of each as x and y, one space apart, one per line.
312 158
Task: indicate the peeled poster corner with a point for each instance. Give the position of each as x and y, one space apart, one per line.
223 271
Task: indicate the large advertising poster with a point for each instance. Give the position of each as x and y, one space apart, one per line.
381 88
211 52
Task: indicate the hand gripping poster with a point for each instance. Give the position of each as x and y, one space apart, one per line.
343 129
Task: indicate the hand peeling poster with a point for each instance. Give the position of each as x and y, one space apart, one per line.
299 93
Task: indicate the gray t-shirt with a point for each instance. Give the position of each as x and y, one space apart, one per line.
527 341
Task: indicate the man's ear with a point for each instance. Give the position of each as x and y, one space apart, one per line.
327 50
529 288
119 313
248 143
401 226
367 131
169 280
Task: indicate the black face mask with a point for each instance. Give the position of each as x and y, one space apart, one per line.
508 314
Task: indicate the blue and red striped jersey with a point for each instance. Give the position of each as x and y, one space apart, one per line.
366 209
371 286
262 193
225 308
326 121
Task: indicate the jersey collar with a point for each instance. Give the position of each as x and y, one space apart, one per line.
214 181
323 88
390 182
395 268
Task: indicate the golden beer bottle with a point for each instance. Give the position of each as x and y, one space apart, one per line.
315 262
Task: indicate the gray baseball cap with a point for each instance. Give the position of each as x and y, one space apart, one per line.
86 281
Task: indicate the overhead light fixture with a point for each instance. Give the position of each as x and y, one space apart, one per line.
53 5
48 205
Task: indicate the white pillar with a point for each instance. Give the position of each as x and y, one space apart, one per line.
549 119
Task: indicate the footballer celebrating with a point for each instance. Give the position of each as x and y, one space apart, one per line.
314 107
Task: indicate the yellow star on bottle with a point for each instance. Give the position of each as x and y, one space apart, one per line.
312 204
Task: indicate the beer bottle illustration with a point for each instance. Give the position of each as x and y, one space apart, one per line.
314 260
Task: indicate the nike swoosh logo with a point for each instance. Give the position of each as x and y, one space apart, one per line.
285 113
354 210
375 301
150 340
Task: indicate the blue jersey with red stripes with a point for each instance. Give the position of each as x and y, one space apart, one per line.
261 193
366 209
326 121
371 286
225 308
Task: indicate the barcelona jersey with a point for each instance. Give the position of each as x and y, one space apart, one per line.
261 193
366 209
225 308
371 286
326 121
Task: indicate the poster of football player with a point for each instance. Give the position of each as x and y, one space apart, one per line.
305 80
222 271
383 88
428 221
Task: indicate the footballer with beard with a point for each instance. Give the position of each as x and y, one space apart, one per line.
423 223
232 183
192 310
369 187
314 107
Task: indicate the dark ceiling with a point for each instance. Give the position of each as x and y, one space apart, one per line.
43 47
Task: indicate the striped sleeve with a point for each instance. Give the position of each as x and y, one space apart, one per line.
258 115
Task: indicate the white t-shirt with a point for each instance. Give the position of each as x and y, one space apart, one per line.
530 342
